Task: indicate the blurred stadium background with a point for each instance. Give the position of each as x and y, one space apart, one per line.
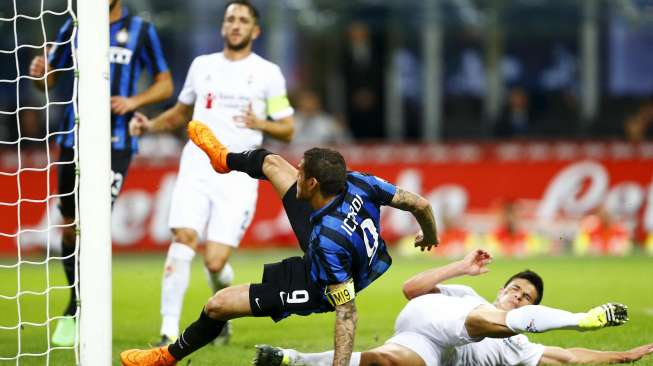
527 123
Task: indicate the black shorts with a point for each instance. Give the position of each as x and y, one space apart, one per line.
287 289
298 213
67 178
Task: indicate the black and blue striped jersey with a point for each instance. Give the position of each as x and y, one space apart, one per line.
134 45
345 242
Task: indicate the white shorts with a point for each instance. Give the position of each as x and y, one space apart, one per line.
219 207
433 325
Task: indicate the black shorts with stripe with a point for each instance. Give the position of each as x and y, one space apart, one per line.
286 288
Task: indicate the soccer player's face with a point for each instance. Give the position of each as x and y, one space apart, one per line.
239 27
305 186
517 293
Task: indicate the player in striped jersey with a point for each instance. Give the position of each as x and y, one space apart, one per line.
134 45
335 215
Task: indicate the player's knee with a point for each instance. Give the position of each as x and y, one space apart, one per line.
185 236
273 163
216 305
215 264
381 358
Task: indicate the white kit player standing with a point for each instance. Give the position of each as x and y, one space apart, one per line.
233 92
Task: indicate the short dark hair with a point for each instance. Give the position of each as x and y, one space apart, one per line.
328 167
534 279
252 9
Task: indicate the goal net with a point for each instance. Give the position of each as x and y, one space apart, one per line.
33 289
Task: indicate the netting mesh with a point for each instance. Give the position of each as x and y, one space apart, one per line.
33 290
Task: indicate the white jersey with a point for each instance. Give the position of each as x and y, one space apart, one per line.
514 351
222 90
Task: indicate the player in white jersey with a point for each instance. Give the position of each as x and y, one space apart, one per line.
234 92
453 325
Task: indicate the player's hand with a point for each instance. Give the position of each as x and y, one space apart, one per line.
139 124
37 67
425 243
249 120
475 262
639 352
122 105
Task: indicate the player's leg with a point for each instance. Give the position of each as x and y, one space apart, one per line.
220 275
389 354
176 276
64 334
488 321
233 205
216 262
258 164
67 177
229 303
189 213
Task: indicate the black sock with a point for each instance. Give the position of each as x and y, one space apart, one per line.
196 336
69 269
250 162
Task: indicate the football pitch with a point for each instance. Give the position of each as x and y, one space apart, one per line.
575 284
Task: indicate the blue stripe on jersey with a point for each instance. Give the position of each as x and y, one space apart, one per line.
155 47
59 56
144 46
345 241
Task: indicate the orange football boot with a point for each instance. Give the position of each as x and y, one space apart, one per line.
151 357
204 138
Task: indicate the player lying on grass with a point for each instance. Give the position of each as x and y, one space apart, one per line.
335 215
453 325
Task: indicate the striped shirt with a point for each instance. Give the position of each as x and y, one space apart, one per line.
134 44
345 242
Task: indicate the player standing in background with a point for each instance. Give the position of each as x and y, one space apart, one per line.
452 325
335 215
134 44
234 91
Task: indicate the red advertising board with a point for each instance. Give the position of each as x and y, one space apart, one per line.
558 182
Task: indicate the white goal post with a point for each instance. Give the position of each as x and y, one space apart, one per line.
95 183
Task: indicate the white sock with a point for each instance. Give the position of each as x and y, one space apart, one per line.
222 279
176 275
319 359
538 318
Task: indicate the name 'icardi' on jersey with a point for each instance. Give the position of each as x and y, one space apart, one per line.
345 241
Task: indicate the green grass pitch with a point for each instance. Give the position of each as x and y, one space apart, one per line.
575 284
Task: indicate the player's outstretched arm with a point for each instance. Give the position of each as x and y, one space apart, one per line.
345 330
169 120
421 208
566 356
160 90
426 282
